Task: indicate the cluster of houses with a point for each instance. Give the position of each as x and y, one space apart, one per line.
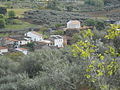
15 42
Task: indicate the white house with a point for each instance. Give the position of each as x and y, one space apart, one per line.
11 41
23 41
3 50
73 24
16 42
23 50
34 36
57 41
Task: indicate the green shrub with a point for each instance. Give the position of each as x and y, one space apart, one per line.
11 14
1 16
98 3
90 22
3 10
2 23
58 32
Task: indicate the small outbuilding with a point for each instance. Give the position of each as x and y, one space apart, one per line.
57 41
73 24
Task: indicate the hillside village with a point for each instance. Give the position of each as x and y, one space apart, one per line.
17 42
59 44
14 43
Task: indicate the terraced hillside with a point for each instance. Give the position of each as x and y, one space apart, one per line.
112 13
51 17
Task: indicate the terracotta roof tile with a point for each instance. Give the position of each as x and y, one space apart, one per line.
23 48
11 39
3 47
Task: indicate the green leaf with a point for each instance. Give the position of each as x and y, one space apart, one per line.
110 72
87 76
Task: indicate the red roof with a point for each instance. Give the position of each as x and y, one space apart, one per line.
23 48
3 47
11 39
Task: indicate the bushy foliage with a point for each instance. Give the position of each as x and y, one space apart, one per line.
7 67
99 67
113 34
3 10
58 32
2 23
52 5
69 8
45 69
11 14
98 3
99 24
88 64
51 17
1 16
31 46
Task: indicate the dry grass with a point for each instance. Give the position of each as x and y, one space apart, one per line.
19 12
20 25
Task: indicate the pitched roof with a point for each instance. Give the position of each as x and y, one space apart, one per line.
56 37
74 21
45 41
22 48
36 33
2 48
11 39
